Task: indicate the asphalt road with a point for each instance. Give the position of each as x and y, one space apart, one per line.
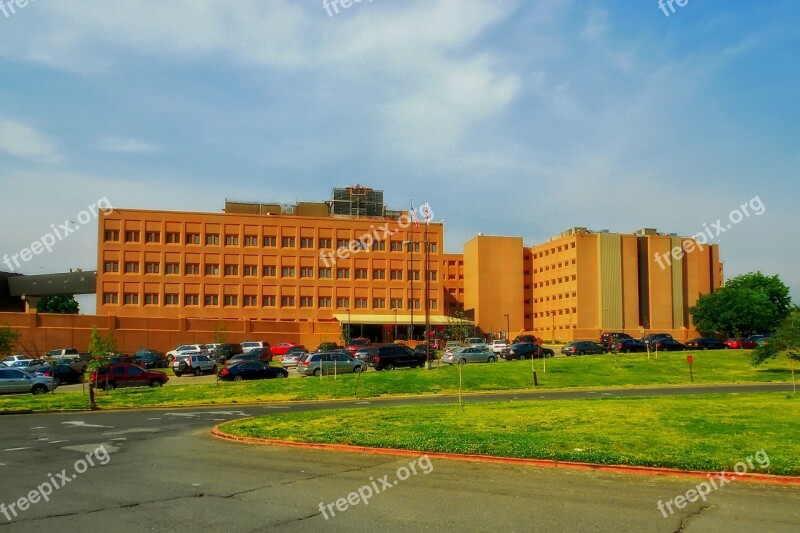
163 472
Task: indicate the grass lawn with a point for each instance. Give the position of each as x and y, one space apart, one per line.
722 366
704 432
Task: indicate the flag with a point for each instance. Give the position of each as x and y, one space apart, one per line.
413 215
426 210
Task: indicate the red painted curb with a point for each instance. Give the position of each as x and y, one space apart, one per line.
541 463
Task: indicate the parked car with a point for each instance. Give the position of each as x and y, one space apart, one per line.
328 347
119 359
64 374
73 361
195 363
362 354
759 339
28 365
14 381
470 355
422 349
282 348
13 358
395 356
629 345
741 344
243 370
583 348
252 345
186 348
610 339
525 350
151 359
648 339
225 351
667 345
532 339
127 375
61 352
355 344
498 345
477 342
292 355
252 356
706 343
312 364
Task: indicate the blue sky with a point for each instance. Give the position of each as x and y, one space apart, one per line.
510 118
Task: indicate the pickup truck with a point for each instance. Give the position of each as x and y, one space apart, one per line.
61 352
395 356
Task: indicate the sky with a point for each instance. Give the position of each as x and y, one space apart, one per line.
520 118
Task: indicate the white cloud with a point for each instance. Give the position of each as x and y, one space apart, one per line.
23 141
125 145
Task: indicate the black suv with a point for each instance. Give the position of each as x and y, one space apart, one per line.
223 352
394 356
611 338
648 340
525 350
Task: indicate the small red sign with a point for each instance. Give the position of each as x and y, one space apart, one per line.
690 359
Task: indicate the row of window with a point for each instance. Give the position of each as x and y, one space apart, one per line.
553 266
269 271
564 311
306 243
112 298
554 297
554 250
556 281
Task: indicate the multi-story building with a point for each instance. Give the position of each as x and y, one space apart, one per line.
348 260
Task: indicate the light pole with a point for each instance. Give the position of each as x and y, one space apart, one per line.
427 302
410 244
349 333
508 327
395 325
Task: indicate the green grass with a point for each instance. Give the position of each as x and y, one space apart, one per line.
704 432
723 366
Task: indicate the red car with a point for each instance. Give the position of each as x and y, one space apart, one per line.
357 344
282 348
126 375
736 344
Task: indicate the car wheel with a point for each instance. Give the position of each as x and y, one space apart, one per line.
237 378
390 366
462 361
316 372
581 353
81 378
522 357
178 374
491 360
282 375
356 369
39 389
83 369
155 383
198 371
627 350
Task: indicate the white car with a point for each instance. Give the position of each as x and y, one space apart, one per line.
498 345
187 348
11 359
252 345
477 342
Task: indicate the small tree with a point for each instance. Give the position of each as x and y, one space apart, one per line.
220 333
346 336
458 326
785 340
8 339
99 349
63 304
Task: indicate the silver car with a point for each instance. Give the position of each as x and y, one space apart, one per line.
14 381
327 363
28 365
470 355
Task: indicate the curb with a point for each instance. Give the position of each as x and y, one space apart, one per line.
540 463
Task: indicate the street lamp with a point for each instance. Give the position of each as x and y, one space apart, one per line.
411 300
427 301
349 333
395 324
508 327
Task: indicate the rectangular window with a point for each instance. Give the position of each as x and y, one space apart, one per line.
378 246
324 302
306 272
396 246
231 301
306 301
396 303
379 274
250 301
191 299
268 301
287 242
287 301
211 299
415 303
152 236
361 273
396 274
192 238
131 236
212 239
434 247
192 269
270 242
170 299
151 299
173 238
131 267
152 268
131 299
172 268
361 303
111 235
325 273
250 270
342 243
212 270
343 303
250 240
231 270
413 274
306 242
324 243
270 271
379 303
287 272
231 240
110 298
111 266
342 273
434 304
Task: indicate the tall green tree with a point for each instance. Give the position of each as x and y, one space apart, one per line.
63 304
750 303
8 339
458 326
785 340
